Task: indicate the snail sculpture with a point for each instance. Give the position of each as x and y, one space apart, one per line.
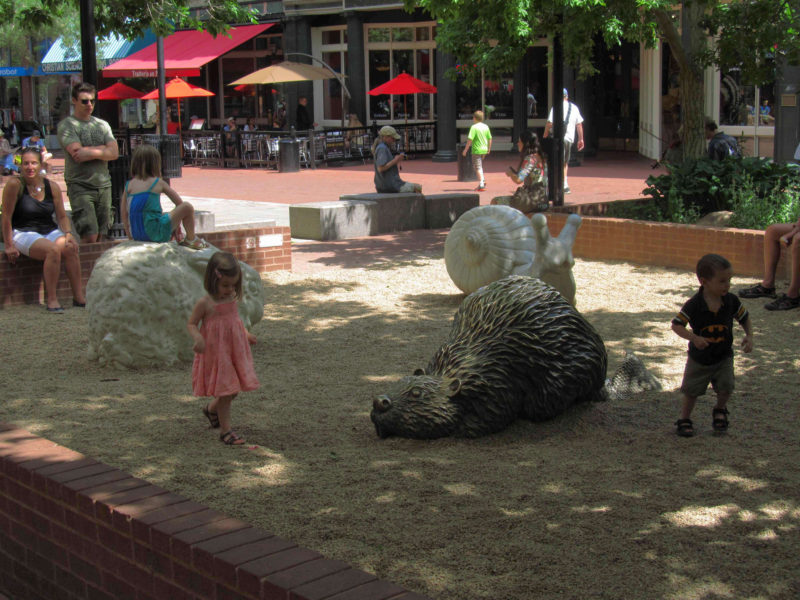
488 243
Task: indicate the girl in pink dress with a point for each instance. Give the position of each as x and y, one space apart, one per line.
223 364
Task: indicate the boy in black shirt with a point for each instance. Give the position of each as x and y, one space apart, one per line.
710 313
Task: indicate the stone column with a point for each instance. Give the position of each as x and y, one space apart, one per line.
297 38
520 100
446 132
356 81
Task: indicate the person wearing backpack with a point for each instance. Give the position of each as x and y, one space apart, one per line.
720 145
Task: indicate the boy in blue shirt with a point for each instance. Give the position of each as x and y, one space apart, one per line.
710 313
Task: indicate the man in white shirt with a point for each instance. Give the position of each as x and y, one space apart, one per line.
573 122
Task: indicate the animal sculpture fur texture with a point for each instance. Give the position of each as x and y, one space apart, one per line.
140 295
516 349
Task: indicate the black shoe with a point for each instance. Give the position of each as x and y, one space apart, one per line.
783 303
78 304
757 291
685 427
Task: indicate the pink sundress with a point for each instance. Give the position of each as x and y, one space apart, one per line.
226 366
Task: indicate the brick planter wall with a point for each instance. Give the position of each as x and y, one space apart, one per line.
265 249
74 528
668 244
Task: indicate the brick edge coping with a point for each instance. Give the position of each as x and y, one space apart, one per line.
75 528
256 246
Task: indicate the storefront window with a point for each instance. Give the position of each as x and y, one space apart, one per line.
378 34
396 50
741 104
538 82
402 34
331 88
332 36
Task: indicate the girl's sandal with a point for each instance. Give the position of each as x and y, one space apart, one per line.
719 418
231 439
212 417
195 243
685 428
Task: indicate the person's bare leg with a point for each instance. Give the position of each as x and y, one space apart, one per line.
72 264
50 253
184 214
90 238
794 282
772 252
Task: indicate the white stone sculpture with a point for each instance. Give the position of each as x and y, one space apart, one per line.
488 243
139 298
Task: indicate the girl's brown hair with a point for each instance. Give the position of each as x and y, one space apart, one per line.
145 162
222 264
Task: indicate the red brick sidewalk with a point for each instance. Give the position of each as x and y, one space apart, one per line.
608 177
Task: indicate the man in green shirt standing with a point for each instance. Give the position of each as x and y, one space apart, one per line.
88 144
480 138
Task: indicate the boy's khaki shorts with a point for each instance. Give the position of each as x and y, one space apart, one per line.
696 377
91 211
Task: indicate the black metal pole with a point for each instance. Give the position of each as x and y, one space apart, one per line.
88 49
162 84
556 183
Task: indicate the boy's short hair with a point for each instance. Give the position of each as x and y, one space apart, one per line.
710 264
710 124
145 162
478 115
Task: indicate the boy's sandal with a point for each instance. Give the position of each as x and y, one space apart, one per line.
685 427
212 417
195 244
231 439
757 291
783 303
720 419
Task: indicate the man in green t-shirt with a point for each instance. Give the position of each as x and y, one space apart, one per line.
88 144
480 139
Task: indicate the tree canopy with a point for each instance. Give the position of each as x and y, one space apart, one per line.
756 36
128 18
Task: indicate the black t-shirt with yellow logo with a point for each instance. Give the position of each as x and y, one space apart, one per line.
717 327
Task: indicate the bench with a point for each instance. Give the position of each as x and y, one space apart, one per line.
360 215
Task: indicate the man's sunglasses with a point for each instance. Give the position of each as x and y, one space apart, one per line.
87 100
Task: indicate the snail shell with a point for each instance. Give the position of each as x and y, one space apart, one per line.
488 243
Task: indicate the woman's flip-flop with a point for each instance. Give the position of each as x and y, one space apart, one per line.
212 417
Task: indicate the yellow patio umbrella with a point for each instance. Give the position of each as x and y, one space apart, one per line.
285 72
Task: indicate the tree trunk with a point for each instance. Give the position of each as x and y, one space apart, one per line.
685 47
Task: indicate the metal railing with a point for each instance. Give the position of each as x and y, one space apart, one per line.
252 149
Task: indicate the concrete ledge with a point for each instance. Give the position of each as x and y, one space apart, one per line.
326 221
442 210
396 212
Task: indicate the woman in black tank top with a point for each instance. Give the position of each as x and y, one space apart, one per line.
36 224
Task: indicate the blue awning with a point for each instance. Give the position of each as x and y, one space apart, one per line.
63 59
15 71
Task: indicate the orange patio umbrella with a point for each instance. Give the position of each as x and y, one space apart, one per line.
176 89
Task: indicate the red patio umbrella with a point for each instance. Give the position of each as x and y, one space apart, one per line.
119 91
176 89
404 84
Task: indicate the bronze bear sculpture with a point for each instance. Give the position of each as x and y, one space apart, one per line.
517 349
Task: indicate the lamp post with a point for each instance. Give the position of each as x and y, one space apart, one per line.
88 49
339 77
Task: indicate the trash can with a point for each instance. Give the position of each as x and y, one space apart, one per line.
288 155
169 146
466 172
119 170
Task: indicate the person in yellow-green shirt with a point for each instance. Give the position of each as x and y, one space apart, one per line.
480 140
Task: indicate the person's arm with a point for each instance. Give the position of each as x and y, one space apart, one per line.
398 158
61 214
10 192
165 189
579 130
198 312
489 149
123 209
699 342
547 127
107 152
747 340
467 147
